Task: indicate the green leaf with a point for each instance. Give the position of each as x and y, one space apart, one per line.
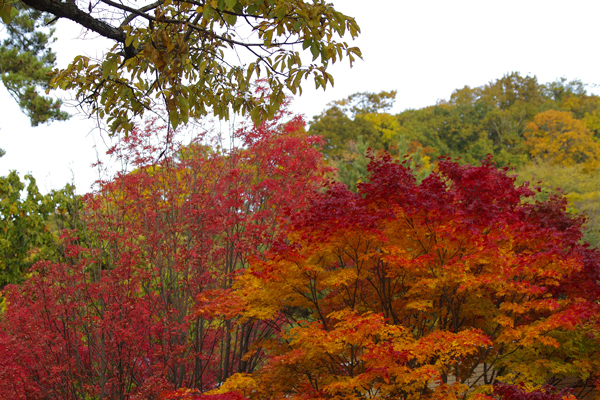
174 118
129 40
281 13
255 114
250 71
230 18
268 37
108 67
314 49
7 13
208 11
183 102
329 77
231 3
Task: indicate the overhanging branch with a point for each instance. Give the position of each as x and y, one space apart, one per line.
70 11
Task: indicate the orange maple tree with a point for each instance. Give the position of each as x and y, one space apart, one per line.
430 291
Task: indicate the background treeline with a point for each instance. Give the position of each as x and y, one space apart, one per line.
549 133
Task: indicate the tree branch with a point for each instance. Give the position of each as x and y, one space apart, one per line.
70 11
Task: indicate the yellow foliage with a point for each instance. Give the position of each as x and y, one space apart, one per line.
241 383
592 120
557 137
386 125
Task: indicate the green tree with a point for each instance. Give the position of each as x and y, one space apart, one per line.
24 233
360 114
561 89
367 102
337 130
191 57
352 166
26 59
31 223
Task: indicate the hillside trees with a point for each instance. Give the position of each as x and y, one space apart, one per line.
114 318
408 290
190 58
474 122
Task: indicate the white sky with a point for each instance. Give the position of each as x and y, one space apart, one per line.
423 49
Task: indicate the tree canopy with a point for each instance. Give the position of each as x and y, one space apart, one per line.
188 57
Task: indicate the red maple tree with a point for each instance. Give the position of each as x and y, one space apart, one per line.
116 319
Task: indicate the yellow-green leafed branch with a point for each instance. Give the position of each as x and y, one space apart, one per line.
191 57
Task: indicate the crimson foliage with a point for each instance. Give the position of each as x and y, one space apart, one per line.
116 320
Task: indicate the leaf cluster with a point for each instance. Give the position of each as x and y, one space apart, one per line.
190 57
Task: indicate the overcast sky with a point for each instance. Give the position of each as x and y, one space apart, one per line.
423 49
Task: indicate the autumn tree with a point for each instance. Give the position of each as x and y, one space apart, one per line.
196 57
115 318
432 290
557 137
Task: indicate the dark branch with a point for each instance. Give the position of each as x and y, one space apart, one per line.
70 11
